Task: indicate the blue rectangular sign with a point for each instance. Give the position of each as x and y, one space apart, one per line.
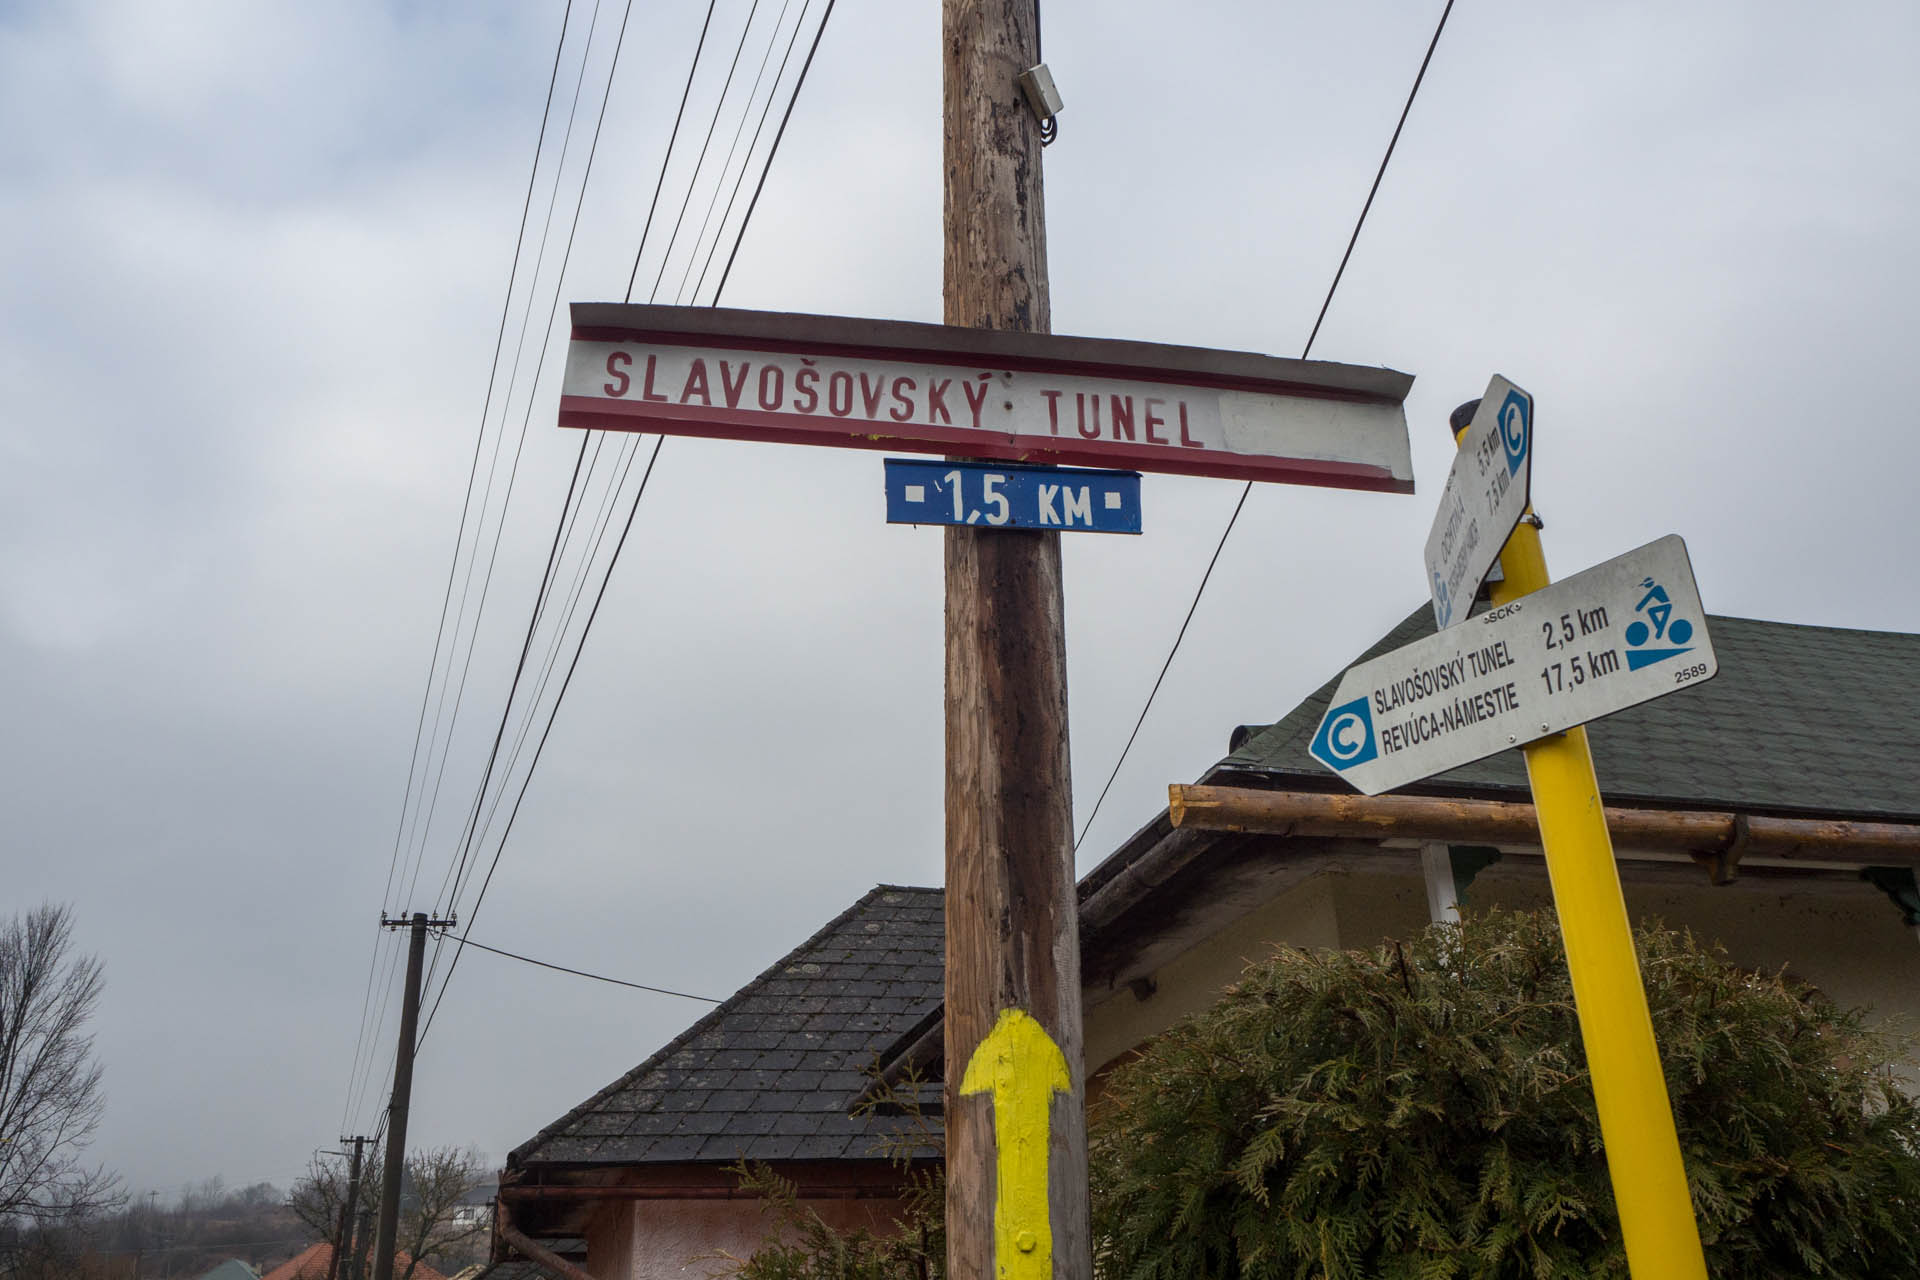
1012 496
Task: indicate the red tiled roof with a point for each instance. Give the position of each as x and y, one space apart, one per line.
313 1263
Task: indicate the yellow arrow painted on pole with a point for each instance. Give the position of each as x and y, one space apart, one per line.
1021 1066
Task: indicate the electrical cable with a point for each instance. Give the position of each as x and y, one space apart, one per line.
740 181
469 841
566 257
552 313
1050 127
613 562
358 1091
473 470
456 869
733 148
582 973
539 366
672 138
602 521
519 448
555 552
700 163
513 474
520 664
545 733
1247 490
526 419
799 84
468 837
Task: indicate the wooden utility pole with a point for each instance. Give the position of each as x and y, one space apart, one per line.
396 1163
343 1246
1013 944
360 1250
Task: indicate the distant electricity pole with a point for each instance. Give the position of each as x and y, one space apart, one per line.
389 1229
343 1247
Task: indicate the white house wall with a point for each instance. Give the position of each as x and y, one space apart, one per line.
704 1239
1843 936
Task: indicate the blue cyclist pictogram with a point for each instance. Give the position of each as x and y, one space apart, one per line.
1345 737
1657 623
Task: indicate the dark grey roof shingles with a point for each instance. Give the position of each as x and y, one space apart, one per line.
1799 720
770 1073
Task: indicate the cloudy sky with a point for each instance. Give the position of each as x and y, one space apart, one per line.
255 259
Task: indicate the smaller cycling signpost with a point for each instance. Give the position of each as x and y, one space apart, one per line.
1620 634
1530 673
1485 496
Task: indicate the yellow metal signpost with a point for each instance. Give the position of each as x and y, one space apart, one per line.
1636 1117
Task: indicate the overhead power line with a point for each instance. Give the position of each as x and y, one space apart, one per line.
513 470
362 1082
469 835
451 887
699 163
640 493
780 133
473 469
672 138
541 747
582 973
1247 490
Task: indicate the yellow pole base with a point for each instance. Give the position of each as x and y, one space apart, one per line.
1636 1116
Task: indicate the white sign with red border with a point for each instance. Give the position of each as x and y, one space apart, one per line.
989 394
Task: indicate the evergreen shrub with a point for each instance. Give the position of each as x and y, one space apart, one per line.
1423 1110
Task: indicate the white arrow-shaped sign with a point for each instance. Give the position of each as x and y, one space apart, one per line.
1485 495
1620 634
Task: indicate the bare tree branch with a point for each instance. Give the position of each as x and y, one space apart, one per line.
432 1228
50 1095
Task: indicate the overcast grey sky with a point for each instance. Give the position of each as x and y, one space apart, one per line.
254 256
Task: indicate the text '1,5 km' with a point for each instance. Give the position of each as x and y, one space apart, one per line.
1619 634
978 393
1010 496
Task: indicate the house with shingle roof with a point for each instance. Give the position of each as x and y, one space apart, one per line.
773 1076
1774 809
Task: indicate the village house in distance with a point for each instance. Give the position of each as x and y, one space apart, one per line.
1775 809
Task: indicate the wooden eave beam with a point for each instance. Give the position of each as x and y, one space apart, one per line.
1706 834
532 1250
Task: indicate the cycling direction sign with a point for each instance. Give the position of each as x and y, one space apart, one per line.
1622 633
1485 496
979 393
1007 496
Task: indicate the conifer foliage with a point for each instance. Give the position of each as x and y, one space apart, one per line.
1423 1110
